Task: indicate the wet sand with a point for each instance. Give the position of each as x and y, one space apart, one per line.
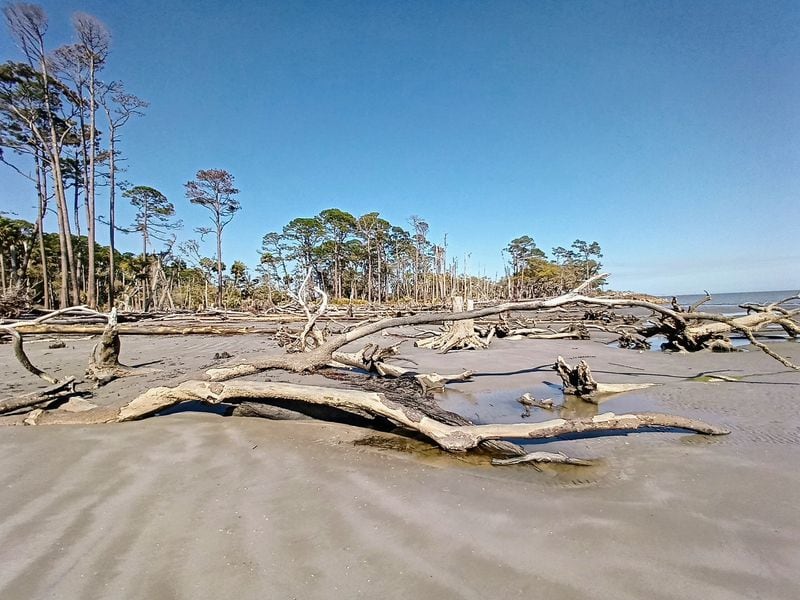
201 506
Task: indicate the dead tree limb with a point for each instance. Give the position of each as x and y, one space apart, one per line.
371 358
301 296
543 457
58 391
19 353
322 355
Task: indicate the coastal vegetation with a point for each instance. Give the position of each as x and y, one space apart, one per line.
61 127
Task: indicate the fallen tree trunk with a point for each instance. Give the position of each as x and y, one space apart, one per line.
453 438
135 329
58 391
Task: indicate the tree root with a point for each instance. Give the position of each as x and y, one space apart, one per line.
453 339
578 381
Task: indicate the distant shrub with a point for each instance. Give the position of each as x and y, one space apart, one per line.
14 301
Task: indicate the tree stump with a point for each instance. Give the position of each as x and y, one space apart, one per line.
577 380
460 335
104 365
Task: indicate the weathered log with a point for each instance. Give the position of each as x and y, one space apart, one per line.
60 390
135 329
453 438
529 401
371 359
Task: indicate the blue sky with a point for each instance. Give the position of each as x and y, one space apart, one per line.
669 132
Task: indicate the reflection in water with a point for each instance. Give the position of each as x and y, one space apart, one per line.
428 453
575 408
503 406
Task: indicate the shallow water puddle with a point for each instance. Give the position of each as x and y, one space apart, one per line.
503 406
553 474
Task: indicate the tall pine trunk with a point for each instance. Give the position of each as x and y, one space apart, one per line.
90 187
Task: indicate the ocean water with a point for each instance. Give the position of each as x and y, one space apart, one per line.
729 304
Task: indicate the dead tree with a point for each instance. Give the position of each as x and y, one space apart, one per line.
459 335
578 381
104 365
452 438
689 326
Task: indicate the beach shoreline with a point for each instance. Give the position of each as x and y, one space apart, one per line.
202 506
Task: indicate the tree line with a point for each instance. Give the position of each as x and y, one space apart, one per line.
60 128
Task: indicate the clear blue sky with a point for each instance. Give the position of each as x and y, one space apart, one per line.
667 131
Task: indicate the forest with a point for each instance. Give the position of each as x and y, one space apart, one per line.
62 129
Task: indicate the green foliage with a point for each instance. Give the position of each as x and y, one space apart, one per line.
153 213
532 274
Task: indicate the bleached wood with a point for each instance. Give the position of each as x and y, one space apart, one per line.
453 438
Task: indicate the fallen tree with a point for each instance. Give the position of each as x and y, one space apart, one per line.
316 352
453 438
689 330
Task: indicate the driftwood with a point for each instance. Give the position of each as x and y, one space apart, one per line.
19 353
310 337
371 358
574 331
529 401
459 335
453 438
104 365
578 381
322 355
133 329
59 391
692 331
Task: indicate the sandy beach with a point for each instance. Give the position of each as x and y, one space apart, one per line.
196 505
